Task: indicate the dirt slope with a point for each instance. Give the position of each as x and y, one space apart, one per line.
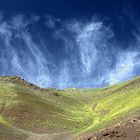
126 130
28 112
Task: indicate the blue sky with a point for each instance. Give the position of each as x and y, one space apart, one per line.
61 44
117 13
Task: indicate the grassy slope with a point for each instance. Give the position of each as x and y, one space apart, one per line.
30 110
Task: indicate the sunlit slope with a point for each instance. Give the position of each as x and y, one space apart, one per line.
110 105
31 112
43 111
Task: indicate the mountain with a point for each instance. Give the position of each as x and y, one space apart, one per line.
28 112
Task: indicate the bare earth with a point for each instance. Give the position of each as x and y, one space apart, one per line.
127 130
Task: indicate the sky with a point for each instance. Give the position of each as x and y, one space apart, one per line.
70 44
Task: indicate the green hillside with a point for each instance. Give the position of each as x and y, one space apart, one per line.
28 112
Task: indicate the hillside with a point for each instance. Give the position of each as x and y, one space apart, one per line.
28 112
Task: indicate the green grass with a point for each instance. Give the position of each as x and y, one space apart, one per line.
77 111
2 121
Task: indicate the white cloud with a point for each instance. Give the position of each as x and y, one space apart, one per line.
25 57
126 63
51 21
88 57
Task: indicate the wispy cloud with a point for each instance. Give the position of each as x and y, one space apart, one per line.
51 21
89 55
124 69
20 55
98 59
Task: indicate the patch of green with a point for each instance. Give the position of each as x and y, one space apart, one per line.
3 121
76 110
